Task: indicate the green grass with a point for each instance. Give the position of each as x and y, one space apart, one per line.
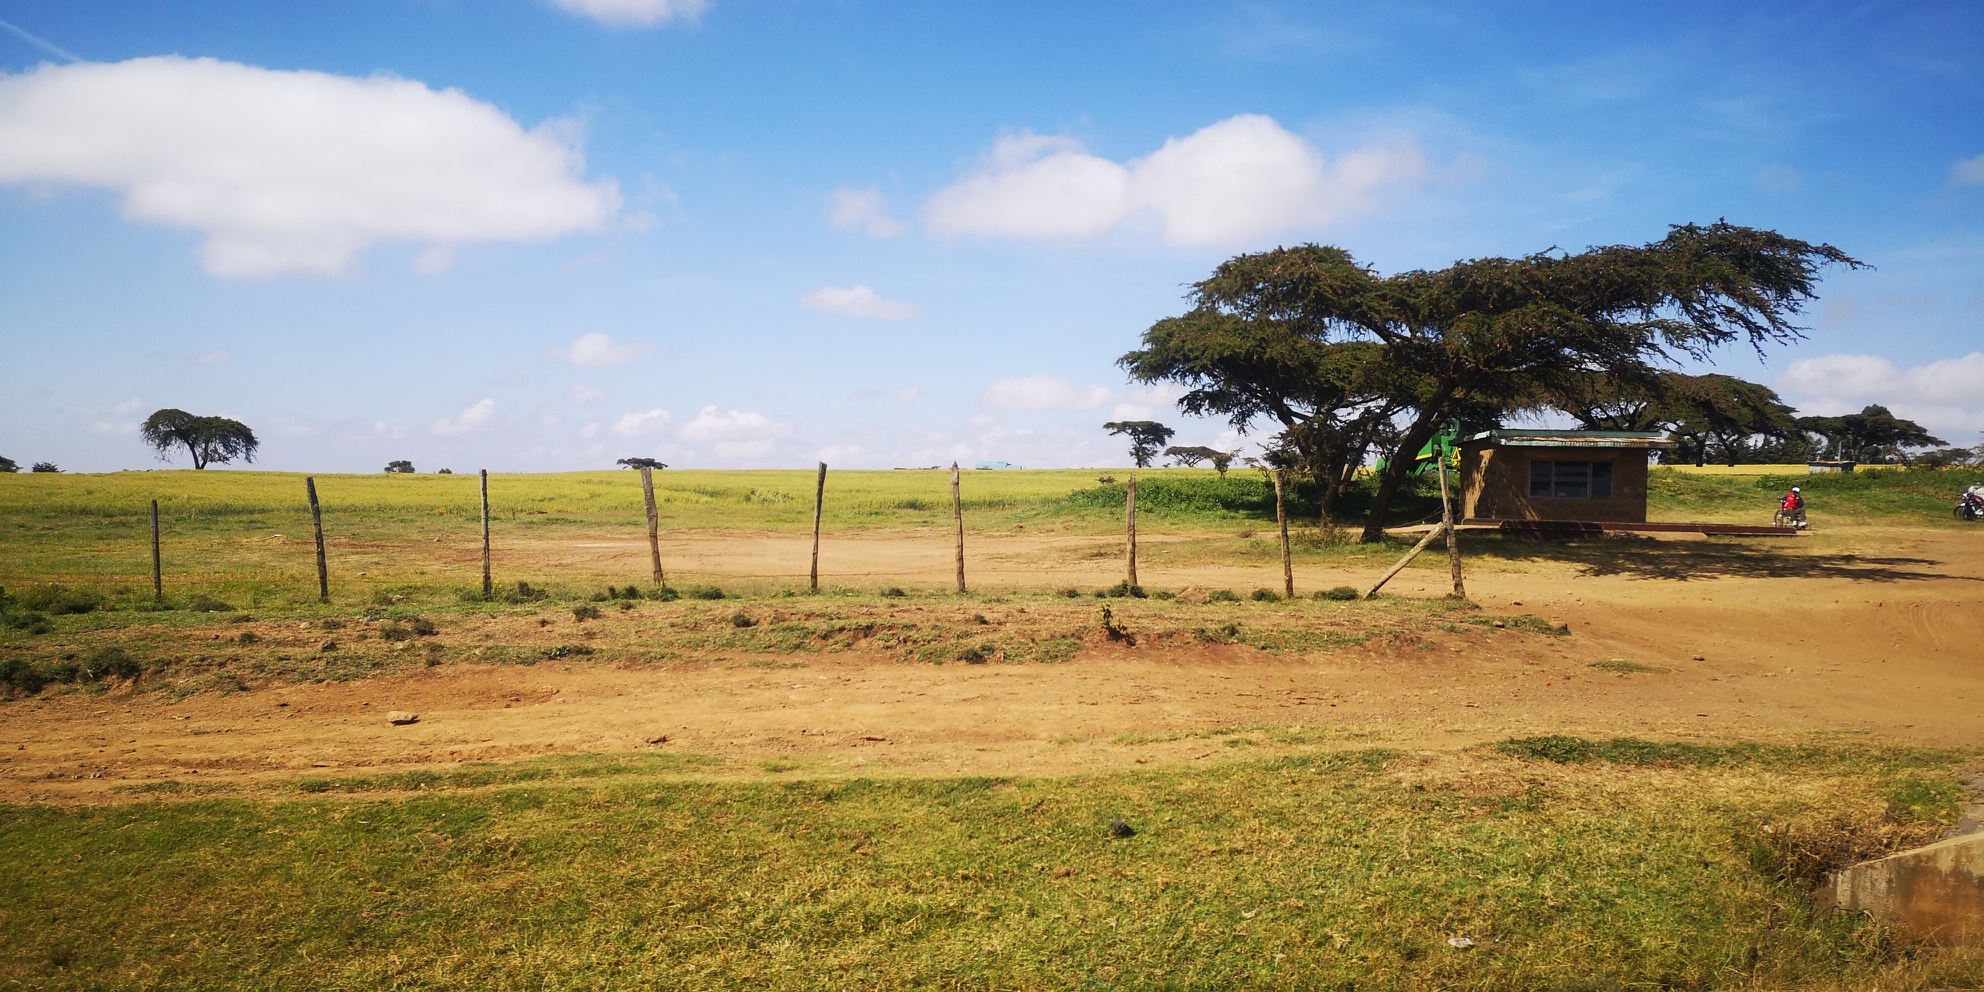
1317 870
1874 495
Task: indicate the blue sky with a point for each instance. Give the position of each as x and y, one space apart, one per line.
544 234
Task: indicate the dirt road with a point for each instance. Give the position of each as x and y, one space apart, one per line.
1874 631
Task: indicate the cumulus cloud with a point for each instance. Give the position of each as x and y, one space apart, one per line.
652 422
1945 395
1043 392
864 210
858 301
1968 172
734 433
1244 177
295 171
582 393
635 13
474 415
598 351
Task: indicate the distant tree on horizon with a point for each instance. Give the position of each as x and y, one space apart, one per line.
1873 435
1146 437
9 465
210 440
640 463
399 467
44 467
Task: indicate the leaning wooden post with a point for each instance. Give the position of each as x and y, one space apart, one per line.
317 527
1402 562
488 587
1453 541
1281 519
957 517
1130 524
654 522
819 496
158 586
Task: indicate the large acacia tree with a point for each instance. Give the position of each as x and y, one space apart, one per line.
210 440
1499 332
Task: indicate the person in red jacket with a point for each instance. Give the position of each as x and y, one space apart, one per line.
1792 510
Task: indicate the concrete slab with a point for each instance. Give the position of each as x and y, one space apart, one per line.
1936 892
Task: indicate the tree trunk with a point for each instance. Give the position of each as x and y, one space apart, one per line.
1421 431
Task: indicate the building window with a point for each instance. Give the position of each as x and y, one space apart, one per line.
1570 480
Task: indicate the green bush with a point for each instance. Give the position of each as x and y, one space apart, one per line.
1222 596
61 600
111 663
585 612
1341 594
1265 595
704 592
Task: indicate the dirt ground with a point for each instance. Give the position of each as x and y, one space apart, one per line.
1865 631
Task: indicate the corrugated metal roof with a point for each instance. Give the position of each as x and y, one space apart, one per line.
1568 439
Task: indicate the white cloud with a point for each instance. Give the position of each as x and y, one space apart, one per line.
838 452
582 393
1131 411
128 406
909 394
635 13
589 430
1944 396
295 171
218 356
1968 171
108 427
1043 392
652 422
471 417
734 433
864 210
599 351
1779 178
857 301
1244 177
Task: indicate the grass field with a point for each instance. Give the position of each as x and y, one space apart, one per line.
1632 866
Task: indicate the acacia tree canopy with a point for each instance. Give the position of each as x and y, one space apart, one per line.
1146 436
210 440
640 463
1499 331
1874 434
1708 414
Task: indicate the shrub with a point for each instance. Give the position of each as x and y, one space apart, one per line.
977 654
203 603
705 592
1265 595
1341 594
1121 590
1222 596
61 600
740 620
26 621
22 676
247 637
585 612
1072 593
393 630
422 627
111 663
44 467
331 623
664 595
894 592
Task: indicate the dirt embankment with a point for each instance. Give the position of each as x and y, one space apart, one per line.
1877 632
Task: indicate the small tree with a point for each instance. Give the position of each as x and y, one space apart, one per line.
641 463
401 467
1146 437
210 440
44 467
8 465
1221 461
1188 456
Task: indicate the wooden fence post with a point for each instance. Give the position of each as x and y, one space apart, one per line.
819 496
1130 524
1402 562
158 586
317 527
488 588
957 517
1453 540
1281 520
654 523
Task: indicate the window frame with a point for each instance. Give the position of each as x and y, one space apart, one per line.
1588 476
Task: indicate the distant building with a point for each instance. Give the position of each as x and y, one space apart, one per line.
1556 475
996 465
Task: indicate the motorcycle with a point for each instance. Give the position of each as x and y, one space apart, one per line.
1789 518
1970 505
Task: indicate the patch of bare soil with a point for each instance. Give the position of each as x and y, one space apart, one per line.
1873 632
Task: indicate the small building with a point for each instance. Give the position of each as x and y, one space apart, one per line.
1595 476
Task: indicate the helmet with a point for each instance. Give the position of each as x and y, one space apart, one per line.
1794 489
